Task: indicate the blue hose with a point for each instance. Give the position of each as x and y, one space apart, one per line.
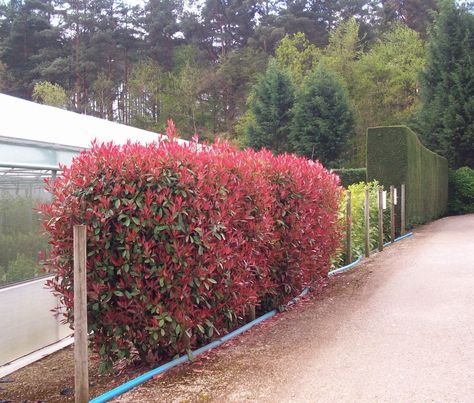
349 266
165 367
353 264
399 238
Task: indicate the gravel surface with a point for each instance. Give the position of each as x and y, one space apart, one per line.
400 328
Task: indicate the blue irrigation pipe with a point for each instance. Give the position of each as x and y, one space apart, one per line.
399 238
349 266
353 264
165 367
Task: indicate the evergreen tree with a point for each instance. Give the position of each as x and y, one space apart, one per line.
322 119
161 26
415 14
271 104
447 115
220 25
29 40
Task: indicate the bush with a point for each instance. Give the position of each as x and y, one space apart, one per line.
396 156
21 241
351 175
358 225
181 240
461 191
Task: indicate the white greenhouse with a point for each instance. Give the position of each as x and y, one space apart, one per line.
34 140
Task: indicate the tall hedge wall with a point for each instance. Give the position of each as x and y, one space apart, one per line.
395 155
349 176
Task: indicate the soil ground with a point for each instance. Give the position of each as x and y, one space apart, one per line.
396 328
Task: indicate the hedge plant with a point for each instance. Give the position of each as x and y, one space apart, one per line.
351 176
358 224
461 191
395 156
182 239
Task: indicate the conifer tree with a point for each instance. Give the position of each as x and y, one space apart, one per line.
271 104
322 119
446 118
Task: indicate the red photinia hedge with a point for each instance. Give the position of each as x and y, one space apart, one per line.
182 239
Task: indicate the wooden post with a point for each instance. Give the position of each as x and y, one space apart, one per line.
380 211
252 312
402 210
349 228
392 214
186 340
81 375
367 223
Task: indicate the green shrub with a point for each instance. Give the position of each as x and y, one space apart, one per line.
358 225
396 156
461 191
20 238
22 268
351 175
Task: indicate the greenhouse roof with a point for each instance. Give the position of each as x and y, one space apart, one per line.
35 139
34 135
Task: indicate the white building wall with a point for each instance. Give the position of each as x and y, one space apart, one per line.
27 323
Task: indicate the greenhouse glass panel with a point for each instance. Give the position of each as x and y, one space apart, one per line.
21 239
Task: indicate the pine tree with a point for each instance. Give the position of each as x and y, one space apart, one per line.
28 41
446 118
322 119
271 104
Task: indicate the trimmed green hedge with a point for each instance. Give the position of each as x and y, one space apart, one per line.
461 191
395 155
351 175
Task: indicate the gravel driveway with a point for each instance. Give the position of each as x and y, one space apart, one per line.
399 328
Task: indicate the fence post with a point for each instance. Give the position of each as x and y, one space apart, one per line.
186 340
380 217
81 375
392 214
402 210
367 223
252 312
349 228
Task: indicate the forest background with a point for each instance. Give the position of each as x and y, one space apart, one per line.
201 63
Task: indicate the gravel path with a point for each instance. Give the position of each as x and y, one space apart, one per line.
398 328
